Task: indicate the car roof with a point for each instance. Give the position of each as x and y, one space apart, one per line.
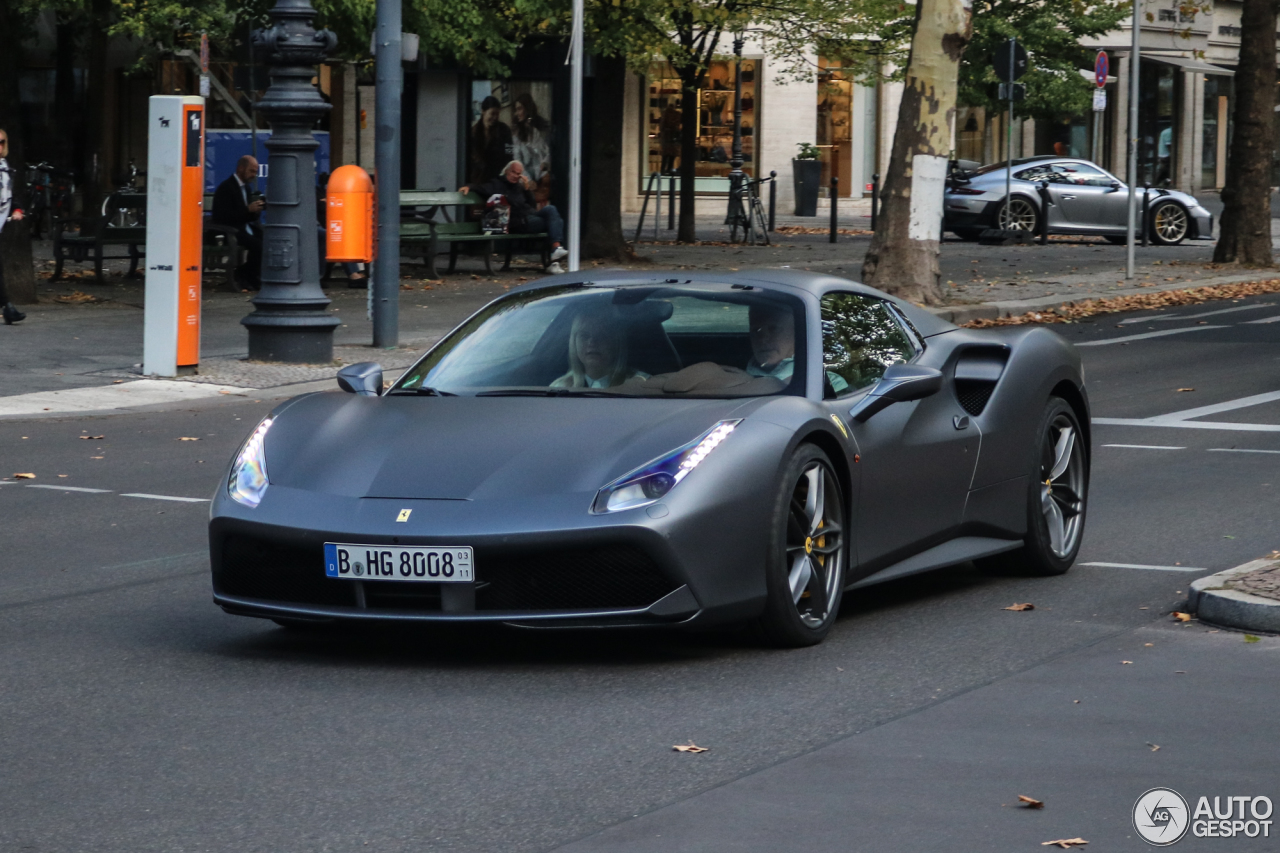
799 281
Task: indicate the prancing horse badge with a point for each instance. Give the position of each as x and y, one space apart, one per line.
404 515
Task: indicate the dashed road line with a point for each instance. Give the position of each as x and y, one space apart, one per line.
1161 422
1146 446
68 488
1275 319
1164 318
164 498
1240 450
1152 568
1146 335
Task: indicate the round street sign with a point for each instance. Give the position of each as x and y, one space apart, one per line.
1101 68
1000 63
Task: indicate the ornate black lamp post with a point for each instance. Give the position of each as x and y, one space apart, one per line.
737 215
290 322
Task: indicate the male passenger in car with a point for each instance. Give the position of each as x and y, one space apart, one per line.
773 345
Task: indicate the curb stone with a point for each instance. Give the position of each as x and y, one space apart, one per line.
1213 599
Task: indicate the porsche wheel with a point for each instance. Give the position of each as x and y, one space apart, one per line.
1018 215
1056 500
1170 223
806 569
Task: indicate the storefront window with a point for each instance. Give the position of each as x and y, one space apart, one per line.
835 127
1217 131
509 122
1157 123
715 118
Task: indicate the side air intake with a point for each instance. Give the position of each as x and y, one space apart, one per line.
978 371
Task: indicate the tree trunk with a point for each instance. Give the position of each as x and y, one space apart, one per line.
602 223
15 239
903 257
92 170
1246 196
688 226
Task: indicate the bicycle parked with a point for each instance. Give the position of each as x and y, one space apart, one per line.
51 194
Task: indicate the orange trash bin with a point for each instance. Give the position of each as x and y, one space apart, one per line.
350 207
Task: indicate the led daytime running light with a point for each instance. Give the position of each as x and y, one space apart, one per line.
704 447
248 481
651 482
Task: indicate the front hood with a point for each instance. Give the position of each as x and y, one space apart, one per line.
470 448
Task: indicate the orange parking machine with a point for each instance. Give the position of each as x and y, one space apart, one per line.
175 227
349 201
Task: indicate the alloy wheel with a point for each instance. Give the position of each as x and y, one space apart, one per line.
815 550
1018 215
1062 486
1169 222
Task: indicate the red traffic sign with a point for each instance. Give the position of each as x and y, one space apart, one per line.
1101 69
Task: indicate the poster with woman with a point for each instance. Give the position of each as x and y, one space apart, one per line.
508 122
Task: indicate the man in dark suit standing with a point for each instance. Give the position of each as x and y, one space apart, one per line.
237 204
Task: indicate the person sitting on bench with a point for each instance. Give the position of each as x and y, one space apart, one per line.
525 216
238 205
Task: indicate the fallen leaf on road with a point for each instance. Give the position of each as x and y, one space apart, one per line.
24 476
1143 608
1030 802
1126 661
91 437
95 457
1250 638
63 476
188 438
689 747
1020 607
1155 747
1148 645
76 297
224 391
1179 616
1065 843
1180 390
1075 701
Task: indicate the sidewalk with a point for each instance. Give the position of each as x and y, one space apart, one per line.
86 335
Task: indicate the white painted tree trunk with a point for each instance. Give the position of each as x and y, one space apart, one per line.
903 257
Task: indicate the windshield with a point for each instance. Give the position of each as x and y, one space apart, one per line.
642 341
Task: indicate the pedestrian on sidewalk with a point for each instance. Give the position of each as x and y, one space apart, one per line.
526 218
238 205
7 211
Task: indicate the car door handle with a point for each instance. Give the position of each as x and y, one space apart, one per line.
960 421
1068 198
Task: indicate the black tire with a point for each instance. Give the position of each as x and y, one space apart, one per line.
1115 240
1170 223
815 565
1025 215
969 235
1067 495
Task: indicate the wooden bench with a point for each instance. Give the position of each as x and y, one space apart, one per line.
122 224
422 227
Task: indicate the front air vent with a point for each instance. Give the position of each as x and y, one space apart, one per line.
978 371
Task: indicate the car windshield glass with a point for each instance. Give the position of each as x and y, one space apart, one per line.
626 340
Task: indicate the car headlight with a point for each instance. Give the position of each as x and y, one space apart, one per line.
248 480
651 482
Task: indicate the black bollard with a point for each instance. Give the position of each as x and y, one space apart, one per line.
875 197
1043 190
835 189
671 202
773 199
1146 211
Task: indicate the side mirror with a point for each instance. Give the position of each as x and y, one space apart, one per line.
901 383
1115 185
364 378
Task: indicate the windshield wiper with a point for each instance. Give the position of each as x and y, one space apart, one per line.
549 392
420 392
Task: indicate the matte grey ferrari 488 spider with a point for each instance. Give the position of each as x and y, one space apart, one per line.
628 449
1083 199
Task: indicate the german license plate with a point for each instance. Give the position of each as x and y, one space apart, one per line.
430 564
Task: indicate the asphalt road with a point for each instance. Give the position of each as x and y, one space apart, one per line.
139 717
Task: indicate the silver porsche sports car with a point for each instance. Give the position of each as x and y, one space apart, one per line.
660 448
1083 198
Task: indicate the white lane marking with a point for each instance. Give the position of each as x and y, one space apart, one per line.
164 498
1239 450
68 488
1152 568
1145 335
143 392
1218 408
1167 317
1275 319
1146 446
1161 422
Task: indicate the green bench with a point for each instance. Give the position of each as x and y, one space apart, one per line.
122 223
419 227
